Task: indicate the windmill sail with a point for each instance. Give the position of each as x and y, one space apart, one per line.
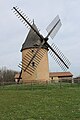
53 27
59 57
25 20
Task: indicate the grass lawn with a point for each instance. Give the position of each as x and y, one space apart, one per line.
40 102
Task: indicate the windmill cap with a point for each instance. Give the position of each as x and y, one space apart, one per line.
32 40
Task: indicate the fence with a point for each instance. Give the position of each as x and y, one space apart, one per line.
34 86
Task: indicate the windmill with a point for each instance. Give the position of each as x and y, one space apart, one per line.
34 64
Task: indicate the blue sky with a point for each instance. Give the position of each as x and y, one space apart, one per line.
13 32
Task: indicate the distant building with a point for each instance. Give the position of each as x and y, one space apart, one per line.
77 79
54 77
61 76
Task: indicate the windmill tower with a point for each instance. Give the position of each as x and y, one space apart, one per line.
34 65
41 71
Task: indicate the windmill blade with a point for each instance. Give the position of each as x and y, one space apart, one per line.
53 27
19 76
16 11
59 55
57 60
26 20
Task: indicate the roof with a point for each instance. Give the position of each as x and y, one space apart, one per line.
77 78
60 74
32 40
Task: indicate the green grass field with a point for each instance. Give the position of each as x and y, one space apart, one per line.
40 102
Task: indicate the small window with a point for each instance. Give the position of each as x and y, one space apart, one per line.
33 64
32 51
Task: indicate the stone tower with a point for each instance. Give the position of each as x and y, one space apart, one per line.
41 73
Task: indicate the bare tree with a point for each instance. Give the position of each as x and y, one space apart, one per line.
7 75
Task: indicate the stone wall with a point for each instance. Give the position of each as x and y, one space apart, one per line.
41 72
